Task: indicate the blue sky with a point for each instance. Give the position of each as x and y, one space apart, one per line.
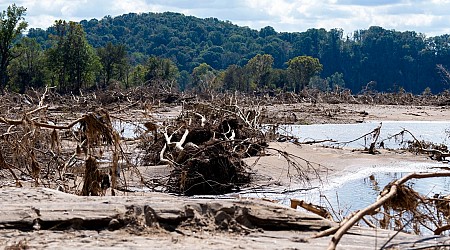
429 17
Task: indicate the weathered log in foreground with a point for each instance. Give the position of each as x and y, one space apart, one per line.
44 217
47 209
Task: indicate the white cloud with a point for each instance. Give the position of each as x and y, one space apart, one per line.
135 6
429 17
276 8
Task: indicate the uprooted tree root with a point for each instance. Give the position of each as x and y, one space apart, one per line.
404 199
205 147
213 169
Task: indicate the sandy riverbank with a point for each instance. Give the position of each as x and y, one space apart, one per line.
320 113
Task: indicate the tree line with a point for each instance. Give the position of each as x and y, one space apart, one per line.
175 51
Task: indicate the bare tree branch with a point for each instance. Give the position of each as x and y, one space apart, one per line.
385 196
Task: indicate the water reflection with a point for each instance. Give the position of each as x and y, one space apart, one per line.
359 193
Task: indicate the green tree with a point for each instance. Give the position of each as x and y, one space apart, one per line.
279 79
336 81
267 31
28 69
12 25
114 62
161 72
301 69
204 79
259 68
234 78
184 79
137 75
317 82
71 59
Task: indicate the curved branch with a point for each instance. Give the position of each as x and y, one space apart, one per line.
440 230
385 196
40 124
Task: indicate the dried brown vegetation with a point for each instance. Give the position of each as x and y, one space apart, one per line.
57 141
69 143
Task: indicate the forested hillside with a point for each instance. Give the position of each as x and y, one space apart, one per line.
384 60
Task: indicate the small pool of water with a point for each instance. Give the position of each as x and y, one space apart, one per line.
355 190
128 130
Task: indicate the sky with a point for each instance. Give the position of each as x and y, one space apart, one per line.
430 17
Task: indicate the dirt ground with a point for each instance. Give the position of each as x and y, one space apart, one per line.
322 113
272 171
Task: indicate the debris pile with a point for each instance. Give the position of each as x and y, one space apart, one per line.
205 147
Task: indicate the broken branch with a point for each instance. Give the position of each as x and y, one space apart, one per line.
385 196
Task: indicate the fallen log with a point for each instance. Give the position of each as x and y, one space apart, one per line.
24 209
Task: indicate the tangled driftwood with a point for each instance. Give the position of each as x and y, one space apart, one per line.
32 143
205 148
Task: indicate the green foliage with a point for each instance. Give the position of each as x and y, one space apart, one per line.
279 79
26 70
259 68
184 79
204 78
137 75
12 25
317 82
387 57
234 79
161 72
336 81
301 69
72 61
114 62
188 41
161 69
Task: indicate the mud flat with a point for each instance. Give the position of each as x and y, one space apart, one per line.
320 113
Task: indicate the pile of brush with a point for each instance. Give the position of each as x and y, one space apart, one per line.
205 147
